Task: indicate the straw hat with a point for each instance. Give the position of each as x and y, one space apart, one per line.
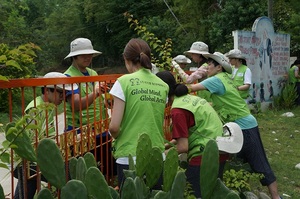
198 47
182 59
221 59
235 53
82 46
232 139
59 75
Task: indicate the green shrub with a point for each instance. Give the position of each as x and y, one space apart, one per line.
286 98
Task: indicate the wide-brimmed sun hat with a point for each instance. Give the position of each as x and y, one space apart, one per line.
82 46
235 53
232 139
221 59
60 86
198 47
182 59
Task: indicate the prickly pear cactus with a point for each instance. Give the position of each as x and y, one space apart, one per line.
72 167
45 194
128 189
74 189
178 185
96 184
154 168
143 151
142 190
81 169
170 169
51 162
209 169
89 160
114 193
221 190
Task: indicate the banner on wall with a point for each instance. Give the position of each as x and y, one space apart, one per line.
267 54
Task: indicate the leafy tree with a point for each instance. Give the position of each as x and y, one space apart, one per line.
231 16
15 63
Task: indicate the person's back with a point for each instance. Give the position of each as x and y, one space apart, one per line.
145 99
225 95
139 105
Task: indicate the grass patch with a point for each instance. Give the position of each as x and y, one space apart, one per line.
281 139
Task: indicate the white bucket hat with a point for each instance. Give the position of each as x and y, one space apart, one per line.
182 59
198 47
221 59
82 46
235 53
232 139
59 75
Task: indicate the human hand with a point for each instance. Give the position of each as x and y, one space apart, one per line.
97 89
202 72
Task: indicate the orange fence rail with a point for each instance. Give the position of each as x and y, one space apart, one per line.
88 136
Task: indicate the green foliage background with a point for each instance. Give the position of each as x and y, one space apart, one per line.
53 24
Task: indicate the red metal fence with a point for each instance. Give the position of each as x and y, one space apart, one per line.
93 136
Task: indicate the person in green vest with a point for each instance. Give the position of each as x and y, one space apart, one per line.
196 52
50 94
192 128
84 99
139 104
241 74
231 107
294 78
84 106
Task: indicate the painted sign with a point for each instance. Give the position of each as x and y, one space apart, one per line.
267 54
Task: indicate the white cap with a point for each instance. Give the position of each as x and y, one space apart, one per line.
59 75
221 59
235 53
182 59
232 139
198 47
82 46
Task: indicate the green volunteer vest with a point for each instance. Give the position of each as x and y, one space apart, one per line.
229 106
207 123
87 113
238 80
39 101
292 77
145 102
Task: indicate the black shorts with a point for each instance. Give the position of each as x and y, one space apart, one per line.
253 153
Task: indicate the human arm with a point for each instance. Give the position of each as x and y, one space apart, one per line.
195 87
182 145
247 81
85 101
182 120
200 73
116 117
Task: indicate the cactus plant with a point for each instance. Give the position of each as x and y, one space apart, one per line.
96 185
45 194
74 189
54 171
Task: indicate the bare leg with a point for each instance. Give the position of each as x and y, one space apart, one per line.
273 190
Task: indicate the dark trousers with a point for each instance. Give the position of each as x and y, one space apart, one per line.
31 183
